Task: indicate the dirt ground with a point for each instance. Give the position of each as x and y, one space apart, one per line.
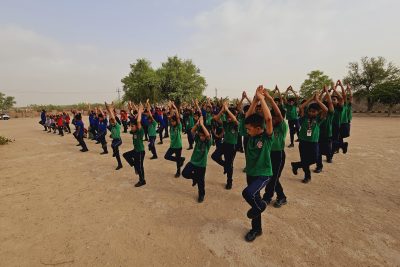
61 207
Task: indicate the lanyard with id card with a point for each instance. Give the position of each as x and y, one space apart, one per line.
309 128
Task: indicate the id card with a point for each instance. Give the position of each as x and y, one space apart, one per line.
309 132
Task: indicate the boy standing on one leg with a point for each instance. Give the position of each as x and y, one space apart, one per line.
115 135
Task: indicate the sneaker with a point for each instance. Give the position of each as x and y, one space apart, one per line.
228 186
294 168
291 145
96 142
118 167
177 175
280 202
267 200
154 157
84 150
190 148
317 170
297 140
200 199
345 147
244 170
78 144
103 153
140 183
306 180
252 235
160 143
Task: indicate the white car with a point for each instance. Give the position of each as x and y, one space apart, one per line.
4 116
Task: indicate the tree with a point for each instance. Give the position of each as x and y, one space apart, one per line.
387 93
316 81
180 80
371 73
141 83
6 102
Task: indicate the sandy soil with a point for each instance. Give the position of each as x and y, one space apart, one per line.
66 208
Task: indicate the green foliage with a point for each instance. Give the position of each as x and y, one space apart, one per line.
316 81
141 83
6 102
180 80
176 79
366 77
4 140
387 93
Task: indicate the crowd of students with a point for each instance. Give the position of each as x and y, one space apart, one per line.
256 128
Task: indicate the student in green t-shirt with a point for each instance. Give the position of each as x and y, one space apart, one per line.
278 155
309 135
175 146
196 168
135 157
229 144
152 128
189 124
325 134
241 144
345 118
115 135
290 105
258 161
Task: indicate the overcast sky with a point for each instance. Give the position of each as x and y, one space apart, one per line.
65 52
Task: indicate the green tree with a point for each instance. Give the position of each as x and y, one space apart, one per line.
141 83
6 102
316 81
180 80
387 93
365 77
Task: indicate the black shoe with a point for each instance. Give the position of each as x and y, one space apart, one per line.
329 160
297 140
291 145
345 147
97 142
267 200
280 202
200 199
84 150
103 153
190 148
252 235
160 143
78 144
154 157
177 175
228 186
306 180
294 168
181 162
146 139
118 167
317 170
253 213
140 183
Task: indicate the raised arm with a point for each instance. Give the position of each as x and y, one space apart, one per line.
275 107
265 110
230 114
110 111
139 117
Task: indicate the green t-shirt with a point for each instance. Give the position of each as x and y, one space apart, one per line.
291 112
190 122
349 112
344 116
242 127
279 136
325 131
208 120
152 128
137 138
175 135
200 152
258 158
312 125
115 131
231 132
337 116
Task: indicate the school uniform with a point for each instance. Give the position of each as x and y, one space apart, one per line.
124 120
43 120
165 124
79 132
325 140
60 125
116 142
308 146
152 137
145 126
228 150
189 124
345 126
135 157
196 168
293 120
242 133
278 158
175 147
258 175
337 121
101 134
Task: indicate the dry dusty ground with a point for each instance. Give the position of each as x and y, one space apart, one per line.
66 208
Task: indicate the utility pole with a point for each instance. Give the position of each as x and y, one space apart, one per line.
119 95
216 93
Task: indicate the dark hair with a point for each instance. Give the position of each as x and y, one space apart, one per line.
254 120
233 110
277 99
100 115
314 106
173 118
78 116
246 108
200 131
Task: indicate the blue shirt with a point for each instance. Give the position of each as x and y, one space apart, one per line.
43 117
102 126
80 124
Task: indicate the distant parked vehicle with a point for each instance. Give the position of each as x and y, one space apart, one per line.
4 116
